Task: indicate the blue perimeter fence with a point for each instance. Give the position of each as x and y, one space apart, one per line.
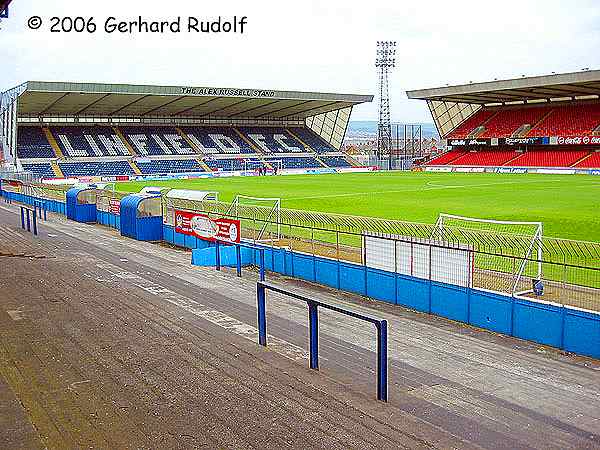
560 326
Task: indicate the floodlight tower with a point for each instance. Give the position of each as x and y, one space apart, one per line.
385 61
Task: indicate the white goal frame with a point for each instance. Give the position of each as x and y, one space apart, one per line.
274 215
535 246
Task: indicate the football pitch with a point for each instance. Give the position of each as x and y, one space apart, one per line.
568 206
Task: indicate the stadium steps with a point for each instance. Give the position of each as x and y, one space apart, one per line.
202 164
351 160
53 143
316 156
478 131
512 159
522 130
56 168
134 167
580 160
125 141
306 146
190 143
248 141
596 131
544 117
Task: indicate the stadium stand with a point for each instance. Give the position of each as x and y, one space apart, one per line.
446 158
153 141
298 162
550 121
569 120
485 158
548 158
42 170
470 124
32 143
505 122
335 161
77 142
272 140
592 161
233 163
210 140
310 138
169 166
106 168
170 131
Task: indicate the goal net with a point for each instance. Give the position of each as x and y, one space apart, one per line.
265 225
509 252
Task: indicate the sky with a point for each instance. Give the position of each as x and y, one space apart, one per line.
309 45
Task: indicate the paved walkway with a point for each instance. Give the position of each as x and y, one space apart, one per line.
107 342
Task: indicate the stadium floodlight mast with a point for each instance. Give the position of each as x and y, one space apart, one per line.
385 61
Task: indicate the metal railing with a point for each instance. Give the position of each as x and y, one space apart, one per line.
313 319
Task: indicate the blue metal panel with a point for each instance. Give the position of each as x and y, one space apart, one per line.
381 285
76 212
139 228
413 293
304 267
538 322
450 301
491 311
327 272
352 278
582 333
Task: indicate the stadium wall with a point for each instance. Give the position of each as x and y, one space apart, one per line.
546 323
522 170
559 326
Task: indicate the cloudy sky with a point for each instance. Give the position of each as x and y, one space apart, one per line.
311 45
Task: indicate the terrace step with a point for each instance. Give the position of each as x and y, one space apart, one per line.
52 141
125 142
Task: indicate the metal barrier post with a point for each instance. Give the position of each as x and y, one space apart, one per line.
262 264
262 315
28 220
238 259
382 361
35 222
45 211
22 218
217 255
313 321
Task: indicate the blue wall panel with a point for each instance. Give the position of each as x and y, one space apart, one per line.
413 293
538 322
327 272
304 267
582 333
168 234
491 311
381 285
450 301
352 278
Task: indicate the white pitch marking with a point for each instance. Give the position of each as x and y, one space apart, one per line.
429 187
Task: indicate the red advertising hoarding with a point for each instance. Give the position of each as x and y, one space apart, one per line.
114 206
207 228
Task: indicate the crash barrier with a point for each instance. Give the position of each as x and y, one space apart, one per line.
31 215
313 321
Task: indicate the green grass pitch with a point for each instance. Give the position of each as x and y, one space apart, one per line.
569 206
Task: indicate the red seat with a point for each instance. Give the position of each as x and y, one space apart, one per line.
569 120
485 158
548 158
471 123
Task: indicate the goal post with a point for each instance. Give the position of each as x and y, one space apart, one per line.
523 240
269 227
